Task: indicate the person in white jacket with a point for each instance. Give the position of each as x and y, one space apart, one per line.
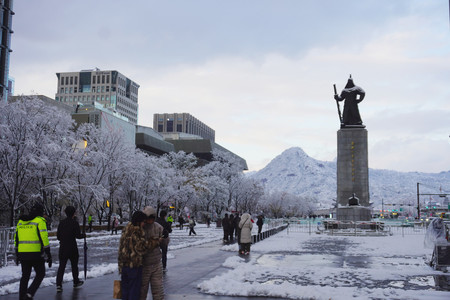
246 225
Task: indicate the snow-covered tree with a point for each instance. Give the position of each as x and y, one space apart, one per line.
31 136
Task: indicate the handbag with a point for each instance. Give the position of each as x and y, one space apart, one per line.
117 293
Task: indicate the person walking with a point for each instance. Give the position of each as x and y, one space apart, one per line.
225 227
115 224
152 273
68 232
231 227
90 222
246 225
132 247
181 221
191 226
260 223
237 233
32 246
167 228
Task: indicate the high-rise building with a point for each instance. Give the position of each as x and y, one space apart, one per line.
5 46
109 88
182 123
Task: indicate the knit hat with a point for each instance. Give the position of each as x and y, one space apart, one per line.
150 212
70 211
138 217
37 210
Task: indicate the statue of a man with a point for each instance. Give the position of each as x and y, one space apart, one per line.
350 94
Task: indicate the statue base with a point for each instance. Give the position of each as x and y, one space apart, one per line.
354 213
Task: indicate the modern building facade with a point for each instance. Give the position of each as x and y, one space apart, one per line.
6 14
168 123
111 89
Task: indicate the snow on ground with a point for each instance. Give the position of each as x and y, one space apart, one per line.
297 265
102 255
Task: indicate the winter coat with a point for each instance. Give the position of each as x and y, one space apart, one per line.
132 247
68 232
167 228
225 223
246 226
153 234
192 223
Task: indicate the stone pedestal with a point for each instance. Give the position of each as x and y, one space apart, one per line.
352 173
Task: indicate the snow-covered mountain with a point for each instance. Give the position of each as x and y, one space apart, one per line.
295 172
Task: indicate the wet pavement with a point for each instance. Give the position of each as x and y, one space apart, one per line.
185 271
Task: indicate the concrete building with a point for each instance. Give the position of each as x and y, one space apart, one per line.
111 89
5 46
105 119
168 123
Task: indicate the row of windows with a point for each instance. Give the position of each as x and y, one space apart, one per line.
99 89
96 79
82 98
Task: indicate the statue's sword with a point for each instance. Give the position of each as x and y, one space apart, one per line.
337 103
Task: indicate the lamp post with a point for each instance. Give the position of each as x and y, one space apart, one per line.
418 203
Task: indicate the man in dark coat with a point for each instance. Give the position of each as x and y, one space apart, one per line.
226 227
231 228
260 223
68 231
164 244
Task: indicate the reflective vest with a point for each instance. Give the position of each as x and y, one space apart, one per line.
170 219
31 236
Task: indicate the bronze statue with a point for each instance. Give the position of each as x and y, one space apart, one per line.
350 94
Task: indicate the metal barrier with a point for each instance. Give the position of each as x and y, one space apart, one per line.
265 234
7 243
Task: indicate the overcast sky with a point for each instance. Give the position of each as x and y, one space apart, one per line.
260 73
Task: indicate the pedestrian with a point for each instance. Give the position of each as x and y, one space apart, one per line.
114 225
260 223
231 227
237 219
68 232
152 273
132 247
32 249
191 226
164 245
225 227
181 221
90 222
246 225
208 221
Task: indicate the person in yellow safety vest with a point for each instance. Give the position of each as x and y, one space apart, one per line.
170 219
32 245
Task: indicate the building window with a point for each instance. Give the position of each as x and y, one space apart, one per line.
103 89
98 89
107 98
66 90
70 90
62 91
107 88
160 128
76 80
67 80
169 125
62 80
107 78
179 128
71 79
103 78
93 79
98 98
98 78
75 89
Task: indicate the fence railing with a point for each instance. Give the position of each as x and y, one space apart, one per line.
6 243
310 227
